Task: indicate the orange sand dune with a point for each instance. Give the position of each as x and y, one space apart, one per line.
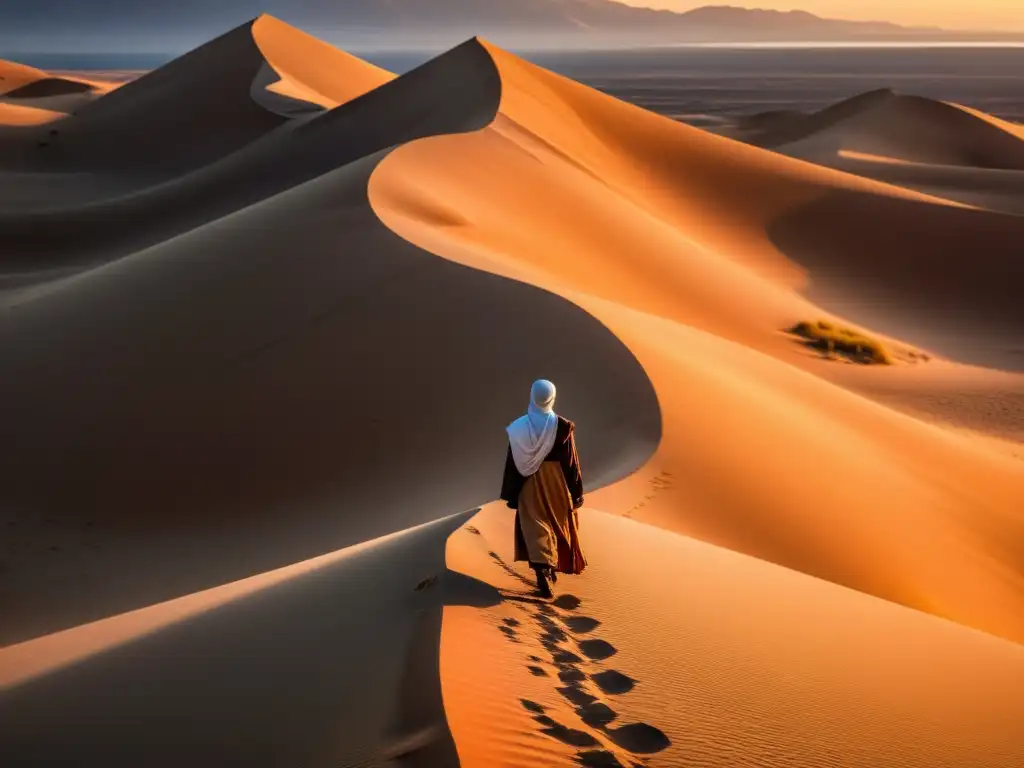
16 114
894 125
14 75
312 70
678 653
993 189
216 359
271 670
859 240
204 105
1014 128
747 435
27 94
944 150
233 360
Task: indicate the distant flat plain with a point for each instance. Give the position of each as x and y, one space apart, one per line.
706 86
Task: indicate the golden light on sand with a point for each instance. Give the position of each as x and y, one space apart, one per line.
265 311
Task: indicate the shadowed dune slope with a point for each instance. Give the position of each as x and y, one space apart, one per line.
910 128
719 197
184 114
207 103
31 97
941 278
46 87
456 91
14 75
221 385
674 652
1017 129
292 365
639 220
300 666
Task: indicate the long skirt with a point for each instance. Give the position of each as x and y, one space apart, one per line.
547 527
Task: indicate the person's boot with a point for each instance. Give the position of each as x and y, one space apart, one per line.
552 574
543 588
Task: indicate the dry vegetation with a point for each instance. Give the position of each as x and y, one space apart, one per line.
834 340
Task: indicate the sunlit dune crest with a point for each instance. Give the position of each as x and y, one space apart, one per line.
266 310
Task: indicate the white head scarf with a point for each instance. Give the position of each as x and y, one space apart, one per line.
533 435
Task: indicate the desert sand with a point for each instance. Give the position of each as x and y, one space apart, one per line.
266 310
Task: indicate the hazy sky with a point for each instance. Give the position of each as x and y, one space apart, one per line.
989 15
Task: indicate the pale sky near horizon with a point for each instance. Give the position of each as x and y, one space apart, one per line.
988 15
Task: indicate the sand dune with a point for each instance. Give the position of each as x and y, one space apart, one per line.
310 69
30 96
158 374
47 87
250 671
164 119
14 76
201 107
681 304
733 194
16 114
727 661
241 348
943 150
894 125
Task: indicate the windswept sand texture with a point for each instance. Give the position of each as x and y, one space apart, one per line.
256 363
764 457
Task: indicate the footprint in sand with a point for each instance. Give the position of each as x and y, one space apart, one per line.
570 736
565 735
613 683
552 632
576 695
571 675
597 714
638 738
564 657
532 706
581 625
635 738
598 650
600 758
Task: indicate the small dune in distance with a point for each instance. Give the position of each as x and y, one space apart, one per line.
265 311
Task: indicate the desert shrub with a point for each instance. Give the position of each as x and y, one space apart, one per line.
832 339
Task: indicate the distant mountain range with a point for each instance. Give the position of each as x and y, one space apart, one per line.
56 24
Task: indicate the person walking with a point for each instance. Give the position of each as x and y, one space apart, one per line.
544 484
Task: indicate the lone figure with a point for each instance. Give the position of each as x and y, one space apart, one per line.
544 485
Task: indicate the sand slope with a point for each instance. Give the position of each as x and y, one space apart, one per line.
16 114
242 336
677 653
30 96
14 75
747 435
310 69
272 670
239 351
207 103
900 126
941 149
